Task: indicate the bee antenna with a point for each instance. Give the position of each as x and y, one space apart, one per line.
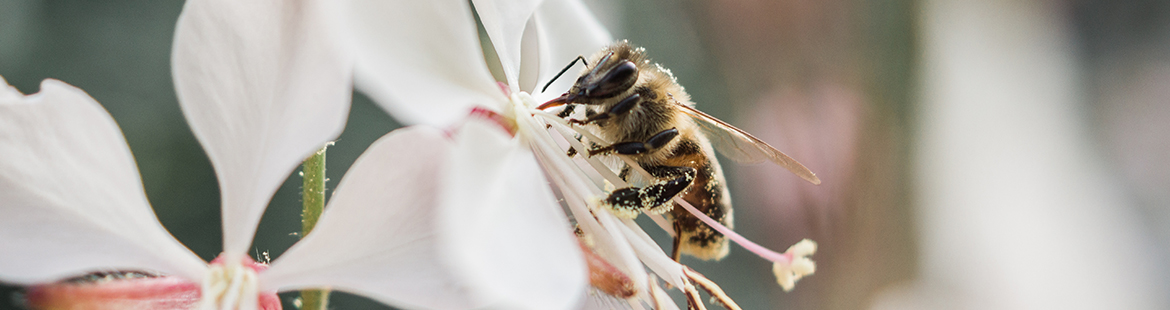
579 57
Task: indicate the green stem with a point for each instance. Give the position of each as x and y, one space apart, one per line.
313 195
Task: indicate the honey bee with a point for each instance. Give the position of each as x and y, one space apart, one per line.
640 106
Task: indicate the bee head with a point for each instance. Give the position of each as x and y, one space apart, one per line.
615 72
609 78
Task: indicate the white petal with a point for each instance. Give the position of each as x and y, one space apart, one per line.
529 59
648 252
420 60
597 300
504 22
262 87
566 30
72 200
377 236
7 92
502 225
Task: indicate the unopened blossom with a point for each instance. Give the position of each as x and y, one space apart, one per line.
262 87
502 226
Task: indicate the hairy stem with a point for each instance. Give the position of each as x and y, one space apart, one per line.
313 196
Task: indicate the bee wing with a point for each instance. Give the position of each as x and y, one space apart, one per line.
743 147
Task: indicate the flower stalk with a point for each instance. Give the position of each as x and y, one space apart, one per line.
313 198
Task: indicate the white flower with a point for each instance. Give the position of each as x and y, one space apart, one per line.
262 88
502 227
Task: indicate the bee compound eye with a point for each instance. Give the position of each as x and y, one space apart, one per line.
620 78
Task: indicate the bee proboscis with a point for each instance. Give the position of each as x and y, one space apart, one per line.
651 119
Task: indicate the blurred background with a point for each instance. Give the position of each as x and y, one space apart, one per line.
975 154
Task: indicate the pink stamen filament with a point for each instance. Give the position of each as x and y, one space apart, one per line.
744 242
737 238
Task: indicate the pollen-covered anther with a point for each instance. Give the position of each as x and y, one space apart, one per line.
798 265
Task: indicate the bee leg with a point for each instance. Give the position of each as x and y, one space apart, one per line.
631 200
618 109
567 111
675 253
573 151
658 141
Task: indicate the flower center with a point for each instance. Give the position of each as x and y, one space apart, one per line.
519 107
230 284
521 104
